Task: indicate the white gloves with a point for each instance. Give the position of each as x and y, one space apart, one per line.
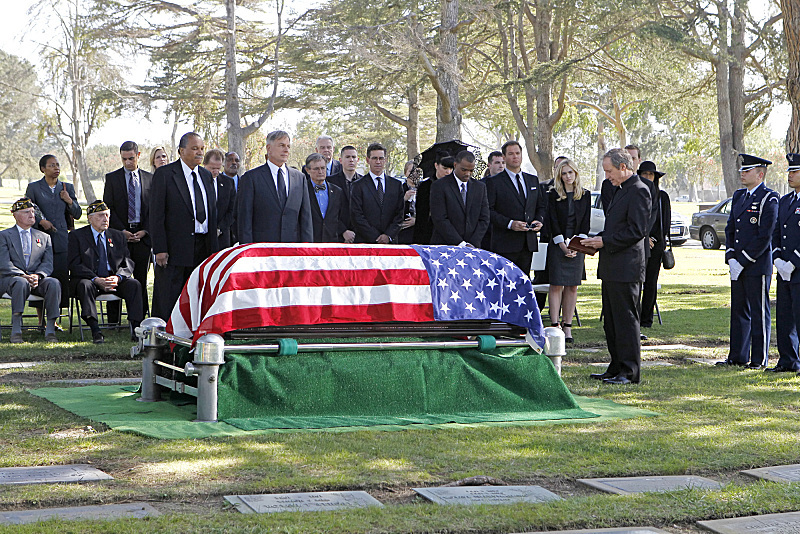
785 269
736 269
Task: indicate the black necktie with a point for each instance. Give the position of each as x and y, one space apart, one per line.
281 188
102 268
520 189
199 205
464 193
380 191
319 187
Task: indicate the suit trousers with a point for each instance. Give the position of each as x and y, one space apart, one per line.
170 279
129 290
750 320
787 323
521 259
650 288
49 289
621 326
140 254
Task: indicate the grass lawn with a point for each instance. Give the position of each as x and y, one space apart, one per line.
713 422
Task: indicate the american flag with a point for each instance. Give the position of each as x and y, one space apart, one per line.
283 284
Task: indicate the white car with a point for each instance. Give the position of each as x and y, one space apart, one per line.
679 226
682 198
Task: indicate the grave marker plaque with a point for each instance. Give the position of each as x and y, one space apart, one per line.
628 485
788 523
777 473
487 494
106 511
51 474
301 502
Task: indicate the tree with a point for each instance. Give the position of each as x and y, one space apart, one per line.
20 117
83 84
791 31
718 32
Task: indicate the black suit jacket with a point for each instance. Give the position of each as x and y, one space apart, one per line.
423 227
453 222
607 193
260 217
339 180
558 212
328 229
663 222
84 260
506 205
115 195
172 214
226 209
622 258
369 218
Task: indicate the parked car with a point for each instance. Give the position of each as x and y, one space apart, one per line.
682 198
678 231
709 226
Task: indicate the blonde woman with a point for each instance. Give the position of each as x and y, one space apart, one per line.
569 215
158 158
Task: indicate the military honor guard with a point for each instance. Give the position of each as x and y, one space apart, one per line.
100 262
26 268
748 234
786 257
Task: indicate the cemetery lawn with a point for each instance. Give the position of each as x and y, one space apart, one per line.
713 423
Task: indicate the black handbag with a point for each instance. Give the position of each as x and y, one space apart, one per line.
667 257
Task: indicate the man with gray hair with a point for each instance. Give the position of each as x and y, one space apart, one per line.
622 266
273 200
325 147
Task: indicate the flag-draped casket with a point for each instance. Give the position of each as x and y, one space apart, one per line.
275 284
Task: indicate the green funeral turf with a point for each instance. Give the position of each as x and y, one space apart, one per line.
117 407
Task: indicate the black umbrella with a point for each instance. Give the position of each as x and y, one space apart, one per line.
451 148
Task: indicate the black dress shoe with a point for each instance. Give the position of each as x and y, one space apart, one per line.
619 379
780 369
755 366
98 338
642 337
729 363
600 376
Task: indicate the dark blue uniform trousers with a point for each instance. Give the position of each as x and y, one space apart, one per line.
787 324
751 321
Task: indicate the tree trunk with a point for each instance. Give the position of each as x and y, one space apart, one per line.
543 162
601 150
412 130
791 30
232 111
448 106
736 75
727 151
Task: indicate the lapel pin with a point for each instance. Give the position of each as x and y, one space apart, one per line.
753 220
38 242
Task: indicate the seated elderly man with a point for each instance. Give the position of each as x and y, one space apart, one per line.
99 263
26 263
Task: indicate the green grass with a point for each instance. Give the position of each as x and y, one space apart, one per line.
714 423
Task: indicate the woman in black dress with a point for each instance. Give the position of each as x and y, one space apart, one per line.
569 215
657 242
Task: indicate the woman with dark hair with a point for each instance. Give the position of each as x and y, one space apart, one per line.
657 242
569 215
412 173
59 207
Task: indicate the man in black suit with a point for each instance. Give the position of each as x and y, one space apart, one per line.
183 222
376 204
517 207
99 262
324 147
231 168
459 206
225 189
127 194
326 203
273 199
344 179
622 266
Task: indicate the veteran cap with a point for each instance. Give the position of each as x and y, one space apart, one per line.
21 204
97 205
751 162
794 162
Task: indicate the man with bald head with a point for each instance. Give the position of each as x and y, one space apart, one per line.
273 200
183 221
